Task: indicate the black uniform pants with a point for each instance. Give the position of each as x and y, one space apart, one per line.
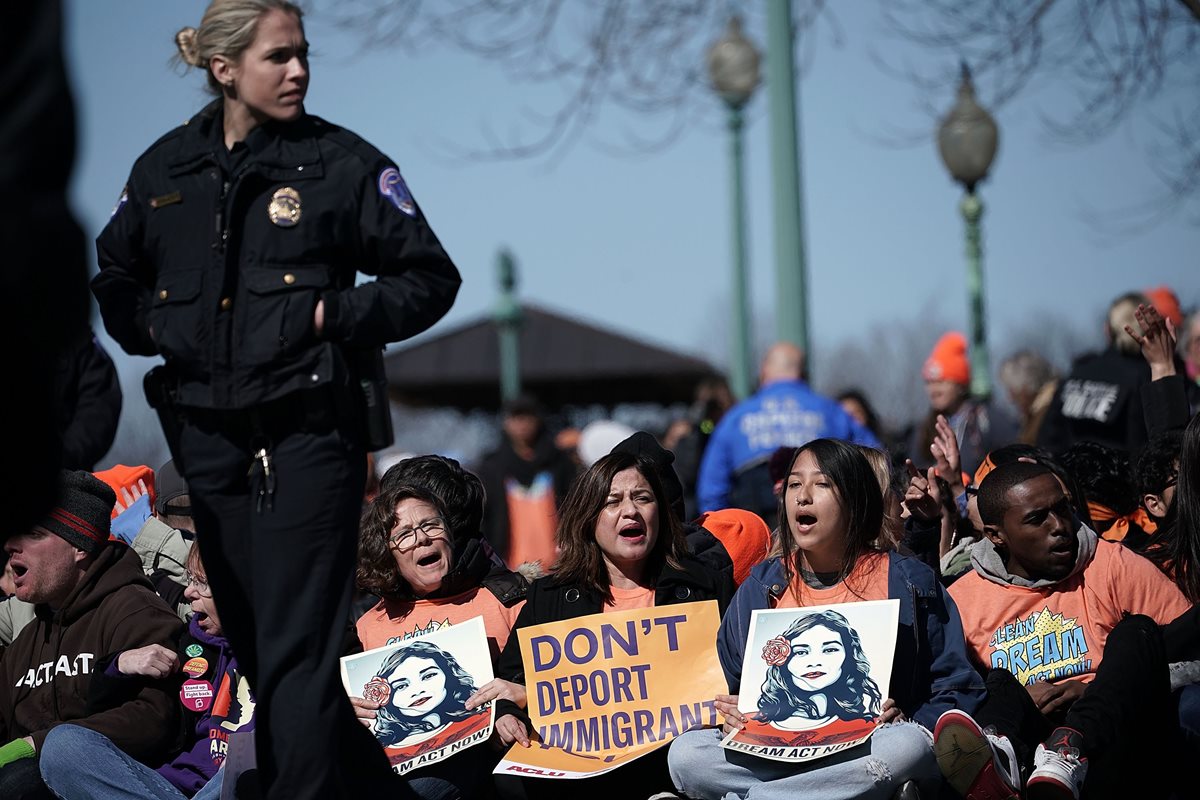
278 546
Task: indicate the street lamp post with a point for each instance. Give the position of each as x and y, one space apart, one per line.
783 104
733 69
508 327
967 140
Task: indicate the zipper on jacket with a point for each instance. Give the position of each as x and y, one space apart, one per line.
222 231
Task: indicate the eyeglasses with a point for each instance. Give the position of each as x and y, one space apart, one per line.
406 539
201 585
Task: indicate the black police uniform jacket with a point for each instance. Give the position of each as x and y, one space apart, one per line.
220 272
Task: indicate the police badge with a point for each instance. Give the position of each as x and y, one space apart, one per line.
284 209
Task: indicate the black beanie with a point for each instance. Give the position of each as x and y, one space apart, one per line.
645 445
82 515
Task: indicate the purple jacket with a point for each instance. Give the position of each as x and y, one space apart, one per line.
230 708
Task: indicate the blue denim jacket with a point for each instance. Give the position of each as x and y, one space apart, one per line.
931 672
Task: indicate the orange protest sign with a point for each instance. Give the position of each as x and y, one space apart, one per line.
607 688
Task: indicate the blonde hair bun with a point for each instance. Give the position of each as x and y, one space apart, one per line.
185 40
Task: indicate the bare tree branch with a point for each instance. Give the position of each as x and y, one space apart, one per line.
1130 62
1123 60
644 59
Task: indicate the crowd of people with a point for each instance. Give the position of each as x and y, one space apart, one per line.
1047 640
176 632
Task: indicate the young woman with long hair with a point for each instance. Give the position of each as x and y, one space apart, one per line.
830 513
620 548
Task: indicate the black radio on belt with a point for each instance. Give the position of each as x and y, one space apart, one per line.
369 372
160 387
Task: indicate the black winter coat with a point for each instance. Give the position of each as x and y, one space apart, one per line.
88 403
216 260
1099 401
550 600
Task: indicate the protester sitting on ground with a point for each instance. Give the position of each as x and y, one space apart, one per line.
1044 594
1104 475
621 549
154 516
15 614
829 518
421 551
79 762
1155 473
934 502
978 425
731 540
891 534
91 599
969 525
1175 547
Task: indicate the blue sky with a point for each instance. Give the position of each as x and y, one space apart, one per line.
642 244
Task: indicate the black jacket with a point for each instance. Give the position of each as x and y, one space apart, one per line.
88 402
1099 401
219 271
551 600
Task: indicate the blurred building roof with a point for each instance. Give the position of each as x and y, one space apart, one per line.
563 362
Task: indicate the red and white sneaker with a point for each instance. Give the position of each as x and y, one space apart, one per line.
977 764
1058 770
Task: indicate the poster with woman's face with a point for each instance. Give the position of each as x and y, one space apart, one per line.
421 685
814 679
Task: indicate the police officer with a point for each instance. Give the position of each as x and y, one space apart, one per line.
233 253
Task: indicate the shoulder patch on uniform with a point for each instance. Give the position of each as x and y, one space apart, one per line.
121 201
392 187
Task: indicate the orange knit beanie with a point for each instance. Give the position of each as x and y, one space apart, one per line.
745 535
948 360
1166 302
123 477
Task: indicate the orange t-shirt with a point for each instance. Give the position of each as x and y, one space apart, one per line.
629 599
1059 631
867 581
532 522
391 621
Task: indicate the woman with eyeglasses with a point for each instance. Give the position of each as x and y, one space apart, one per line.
216 701
422 553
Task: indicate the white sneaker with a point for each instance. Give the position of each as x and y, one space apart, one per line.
977 764
1058 773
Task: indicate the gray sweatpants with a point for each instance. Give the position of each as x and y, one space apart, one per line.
704 770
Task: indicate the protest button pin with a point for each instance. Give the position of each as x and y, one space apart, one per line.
196 695
196 667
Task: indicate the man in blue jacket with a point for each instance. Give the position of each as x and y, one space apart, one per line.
784 412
